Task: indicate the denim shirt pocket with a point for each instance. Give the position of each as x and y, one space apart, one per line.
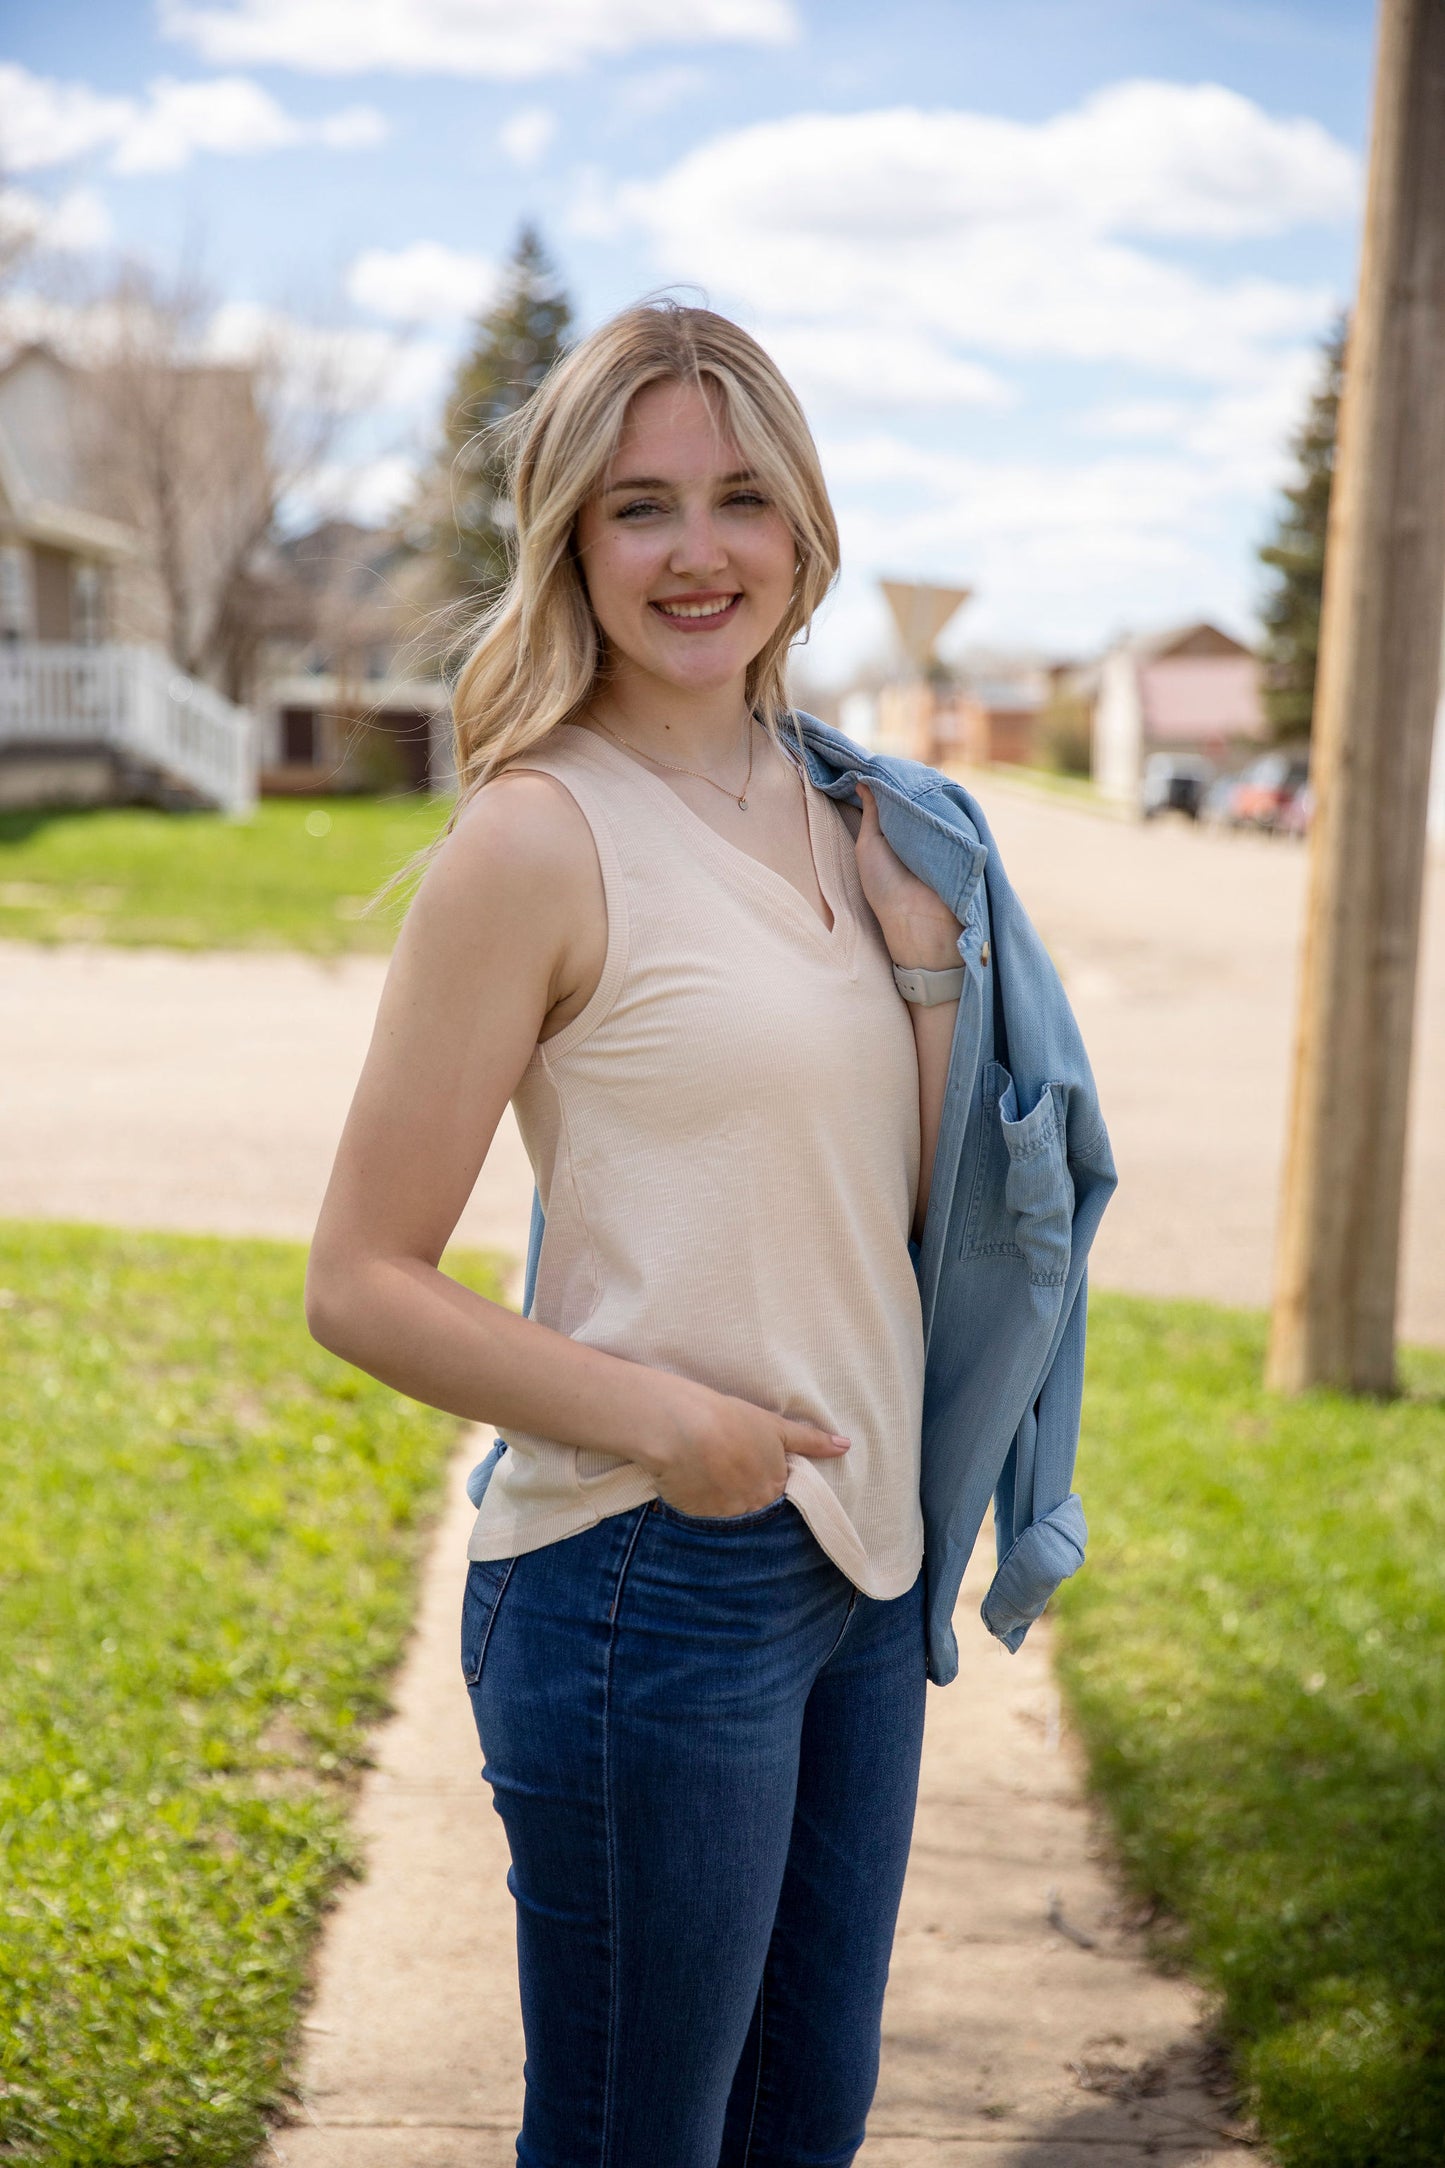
1023 1194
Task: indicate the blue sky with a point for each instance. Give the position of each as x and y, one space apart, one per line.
1049 278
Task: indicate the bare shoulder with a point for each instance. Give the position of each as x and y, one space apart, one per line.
521 840
523 822
513 899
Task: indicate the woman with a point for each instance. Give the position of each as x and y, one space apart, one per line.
694 1627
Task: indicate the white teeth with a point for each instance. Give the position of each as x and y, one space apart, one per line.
696 609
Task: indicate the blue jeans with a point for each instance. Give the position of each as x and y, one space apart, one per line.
703 1743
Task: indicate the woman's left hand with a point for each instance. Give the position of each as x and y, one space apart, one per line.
921 932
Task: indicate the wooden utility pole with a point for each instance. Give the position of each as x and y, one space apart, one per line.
1375 699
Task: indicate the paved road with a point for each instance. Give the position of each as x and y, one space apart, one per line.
207 1091
1179 947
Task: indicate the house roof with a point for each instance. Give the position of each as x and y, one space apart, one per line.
1198 637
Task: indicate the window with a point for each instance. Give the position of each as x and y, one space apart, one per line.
87 604
298 737
17 613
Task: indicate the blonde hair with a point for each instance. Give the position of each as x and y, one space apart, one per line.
538 652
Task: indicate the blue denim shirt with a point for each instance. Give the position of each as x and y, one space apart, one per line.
1021 1175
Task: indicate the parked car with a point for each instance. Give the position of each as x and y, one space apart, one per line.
1295 817
1214 809
1267 786
1175 783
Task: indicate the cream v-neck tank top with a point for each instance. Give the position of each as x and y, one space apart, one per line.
726 1147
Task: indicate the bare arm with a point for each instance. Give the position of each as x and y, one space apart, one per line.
933 1039
502 945
922 935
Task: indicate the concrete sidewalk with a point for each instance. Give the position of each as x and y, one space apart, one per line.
1009 2042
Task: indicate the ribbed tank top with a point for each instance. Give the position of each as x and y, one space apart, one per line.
726 1146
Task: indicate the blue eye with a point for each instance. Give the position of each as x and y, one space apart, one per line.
638 506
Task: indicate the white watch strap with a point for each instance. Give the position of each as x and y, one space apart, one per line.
926 988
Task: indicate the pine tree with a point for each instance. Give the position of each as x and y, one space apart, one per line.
1296 555
515 343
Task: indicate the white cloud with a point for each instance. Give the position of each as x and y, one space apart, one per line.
354 128
74 222
1242 431
1136 157
1005 236
1137 418
508 40
864 365
357 368
640 97
527 136
423 283
342 367
45 122
369 490
1060 552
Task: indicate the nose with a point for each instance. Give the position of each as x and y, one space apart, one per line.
699 547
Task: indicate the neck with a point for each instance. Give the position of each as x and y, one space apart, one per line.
703 728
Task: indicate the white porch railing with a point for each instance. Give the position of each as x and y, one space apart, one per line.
134 699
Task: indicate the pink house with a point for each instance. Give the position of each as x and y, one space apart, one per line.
1192 690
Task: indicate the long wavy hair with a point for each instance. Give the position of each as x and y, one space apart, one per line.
536 653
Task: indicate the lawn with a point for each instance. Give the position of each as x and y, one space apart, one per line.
294 875
212 1530
1253 1657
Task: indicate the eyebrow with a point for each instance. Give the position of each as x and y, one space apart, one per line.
657 481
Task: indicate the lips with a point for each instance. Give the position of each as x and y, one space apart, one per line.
697 613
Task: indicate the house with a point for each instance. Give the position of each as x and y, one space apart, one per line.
992 714
91 710
348 699
1191 690
984 712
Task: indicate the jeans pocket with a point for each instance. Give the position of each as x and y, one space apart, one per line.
486 1579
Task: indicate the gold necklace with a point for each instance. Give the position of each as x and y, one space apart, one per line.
677 767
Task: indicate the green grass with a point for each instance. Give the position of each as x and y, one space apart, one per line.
294 875
1253 1656
212 1529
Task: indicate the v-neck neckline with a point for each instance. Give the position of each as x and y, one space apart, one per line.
837 938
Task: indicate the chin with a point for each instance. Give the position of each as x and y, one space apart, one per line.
702 673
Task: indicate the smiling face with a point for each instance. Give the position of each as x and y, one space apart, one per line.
689 566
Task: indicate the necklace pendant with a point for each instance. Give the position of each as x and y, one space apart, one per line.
743 804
